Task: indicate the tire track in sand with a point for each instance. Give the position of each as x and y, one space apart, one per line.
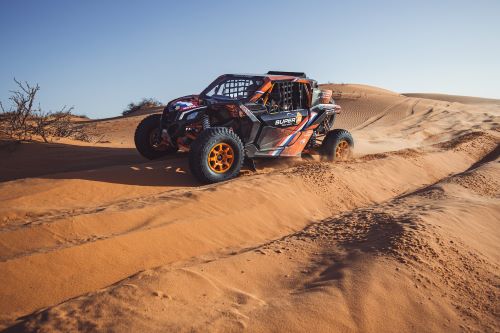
262 208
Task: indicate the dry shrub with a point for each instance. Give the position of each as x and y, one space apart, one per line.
144 104
23 120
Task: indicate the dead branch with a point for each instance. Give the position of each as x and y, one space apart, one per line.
22 121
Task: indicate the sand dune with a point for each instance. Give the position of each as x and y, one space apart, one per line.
402 238
457 99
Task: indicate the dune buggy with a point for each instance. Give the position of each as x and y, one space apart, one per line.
239 118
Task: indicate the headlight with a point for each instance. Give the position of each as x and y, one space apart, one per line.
192 115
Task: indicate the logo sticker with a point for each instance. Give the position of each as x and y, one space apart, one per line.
298 119
285 122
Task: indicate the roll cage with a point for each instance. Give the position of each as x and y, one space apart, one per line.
233 87
275 90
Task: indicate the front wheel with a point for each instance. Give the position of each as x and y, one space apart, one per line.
337 145
216 155
148 139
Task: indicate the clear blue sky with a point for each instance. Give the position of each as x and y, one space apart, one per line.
101 55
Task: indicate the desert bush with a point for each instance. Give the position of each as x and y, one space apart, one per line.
24 120
143 104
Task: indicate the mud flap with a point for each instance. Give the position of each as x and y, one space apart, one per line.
250 164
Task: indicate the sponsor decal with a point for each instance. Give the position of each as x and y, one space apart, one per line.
285 122
298 119
184 105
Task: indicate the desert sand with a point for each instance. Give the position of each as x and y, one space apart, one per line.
404 237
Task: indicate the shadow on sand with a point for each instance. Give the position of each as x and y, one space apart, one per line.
95 163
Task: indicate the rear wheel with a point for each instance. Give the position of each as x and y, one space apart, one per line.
337 145
148 139
216 155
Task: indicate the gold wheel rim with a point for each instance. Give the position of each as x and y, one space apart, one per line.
342 150
221 158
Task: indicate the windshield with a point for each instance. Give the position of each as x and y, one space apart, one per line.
234 88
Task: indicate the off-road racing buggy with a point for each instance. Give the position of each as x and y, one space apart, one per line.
241 117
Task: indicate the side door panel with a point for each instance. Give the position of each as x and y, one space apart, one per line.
280 129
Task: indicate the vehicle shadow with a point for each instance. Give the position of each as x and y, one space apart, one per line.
94 163
168 171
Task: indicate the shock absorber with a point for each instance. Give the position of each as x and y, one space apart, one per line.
205 122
